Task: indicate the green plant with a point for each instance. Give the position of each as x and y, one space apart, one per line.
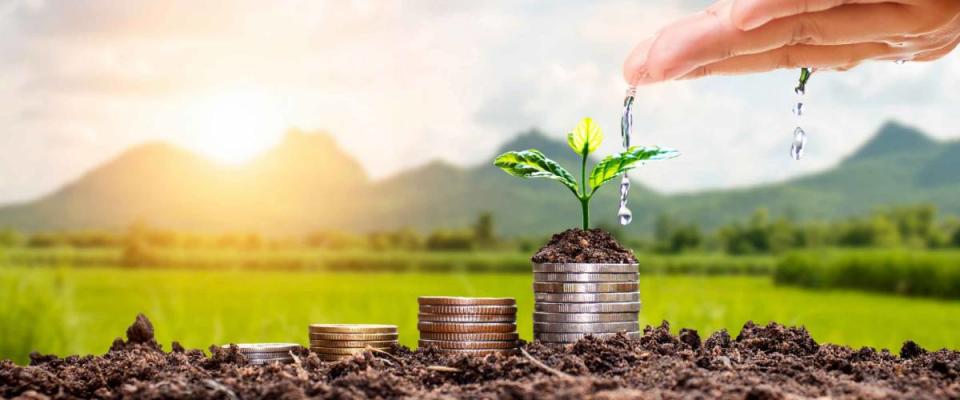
584 139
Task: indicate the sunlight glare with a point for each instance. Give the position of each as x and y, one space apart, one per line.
233 127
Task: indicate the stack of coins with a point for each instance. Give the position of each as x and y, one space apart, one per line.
576 300
480 325
267 353
334 342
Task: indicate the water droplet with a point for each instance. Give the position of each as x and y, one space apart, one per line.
799 141
625 215
798 109
626 127
799 90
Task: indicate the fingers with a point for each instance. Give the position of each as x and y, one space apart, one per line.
709 37
821 57
936 54
750 14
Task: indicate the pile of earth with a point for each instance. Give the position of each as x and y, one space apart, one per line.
763 362
584 246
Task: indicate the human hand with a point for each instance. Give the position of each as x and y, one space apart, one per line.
746 36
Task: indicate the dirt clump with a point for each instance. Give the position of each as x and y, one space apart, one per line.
763 362
584 246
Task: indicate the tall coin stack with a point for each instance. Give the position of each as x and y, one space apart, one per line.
334 342
267 353
474 325
576 300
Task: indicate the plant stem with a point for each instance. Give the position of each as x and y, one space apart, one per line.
585 205
584 198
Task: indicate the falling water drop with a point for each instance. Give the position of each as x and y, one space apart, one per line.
625 215
626 127
799 136
798 109
799 141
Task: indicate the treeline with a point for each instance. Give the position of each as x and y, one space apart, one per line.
479 236
914 227
899 271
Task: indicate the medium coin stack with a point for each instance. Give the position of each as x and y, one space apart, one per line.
334 342
267 353
576 300
474 325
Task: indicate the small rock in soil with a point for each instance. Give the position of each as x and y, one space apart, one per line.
584 246
763 362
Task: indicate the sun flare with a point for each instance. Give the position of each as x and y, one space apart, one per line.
232 127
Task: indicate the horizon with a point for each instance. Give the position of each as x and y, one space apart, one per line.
81 92
241 165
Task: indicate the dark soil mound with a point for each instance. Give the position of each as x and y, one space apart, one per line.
772 362
584 246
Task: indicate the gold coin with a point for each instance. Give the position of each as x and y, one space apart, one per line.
467 301
352 328
467 317
354 336
458 310
454 327
352 343
478 337
342 350
465 345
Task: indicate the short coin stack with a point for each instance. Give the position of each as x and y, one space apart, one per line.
474 325
334 342
267 353
576 300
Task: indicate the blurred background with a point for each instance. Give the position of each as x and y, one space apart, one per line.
237 170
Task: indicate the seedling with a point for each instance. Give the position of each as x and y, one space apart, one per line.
584 139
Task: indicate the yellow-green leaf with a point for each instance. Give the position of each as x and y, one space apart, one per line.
533 164
610 167
586 137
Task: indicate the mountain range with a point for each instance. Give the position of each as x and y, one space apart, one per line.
308 183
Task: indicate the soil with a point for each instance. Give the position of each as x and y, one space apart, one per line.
763 362
584 246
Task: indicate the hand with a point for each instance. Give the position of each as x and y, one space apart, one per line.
745 36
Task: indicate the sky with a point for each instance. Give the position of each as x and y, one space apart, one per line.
401 83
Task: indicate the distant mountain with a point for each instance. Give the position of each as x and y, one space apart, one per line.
308 183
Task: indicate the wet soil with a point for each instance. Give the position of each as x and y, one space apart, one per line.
584 246
763 362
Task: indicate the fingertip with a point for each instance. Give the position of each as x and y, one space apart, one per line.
635 70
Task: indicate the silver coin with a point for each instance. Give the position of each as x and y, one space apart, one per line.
581 268
270 360
587 307
587 297
442 309
267 356
264 347
584 317
584 277
573 337
597 327
563 287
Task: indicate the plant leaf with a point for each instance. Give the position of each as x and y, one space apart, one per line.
610 167
533 164
586 137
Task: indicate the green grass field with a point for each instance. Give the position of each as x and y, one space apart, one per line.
80 311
